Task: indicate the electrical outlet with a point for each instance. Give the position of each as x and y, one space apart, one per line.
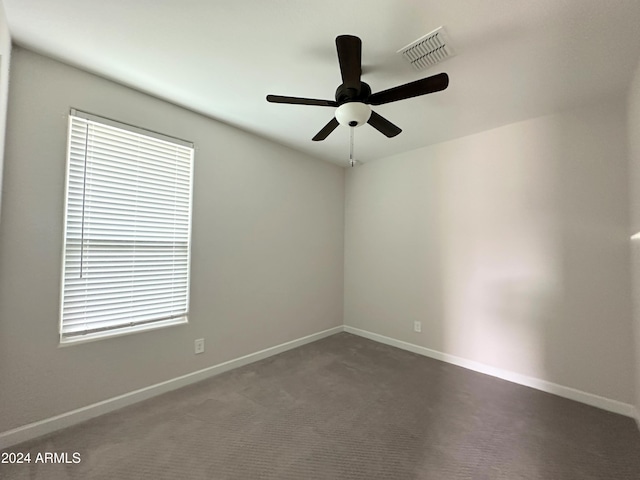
199 345
417 327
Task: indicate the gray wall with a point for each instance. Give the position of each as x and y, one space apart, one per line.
510 246
634 160
267 254
5 55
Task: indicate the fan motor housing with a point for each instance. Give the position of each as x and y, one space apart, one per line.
344 94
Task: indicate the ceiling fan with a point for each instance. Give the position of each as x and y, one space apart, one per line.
354 96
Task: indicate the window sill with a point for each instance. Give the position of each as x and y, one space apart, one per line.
93 337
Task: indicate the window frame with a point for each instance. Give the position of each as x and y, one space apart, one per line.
143 326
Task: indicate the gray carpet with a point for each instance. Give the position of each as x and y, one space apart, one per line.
346 408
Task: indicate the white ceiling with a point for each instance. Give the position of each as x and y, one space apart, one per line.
516 59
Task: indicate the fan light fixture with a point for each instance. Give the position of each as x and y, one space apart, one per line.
353 114
353 96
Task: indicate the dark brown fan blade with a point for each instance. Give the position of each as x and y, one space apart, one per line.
408 90
383 125
350 58
326 130
300 101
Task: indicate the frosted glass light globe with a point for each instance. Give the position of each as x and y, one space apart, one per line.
353 114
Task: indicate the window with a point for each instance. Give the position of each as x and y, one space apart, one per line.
127 230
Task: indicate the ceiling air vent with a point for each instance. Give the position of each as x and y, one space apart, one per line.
429 50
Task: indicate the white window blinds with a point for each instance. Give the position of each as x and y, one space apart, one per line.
127 230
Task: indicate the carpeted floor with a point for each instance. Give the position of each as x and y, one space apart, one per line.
346 408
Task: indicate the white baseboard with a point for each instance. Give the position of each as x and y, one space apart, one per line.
543 385
43 427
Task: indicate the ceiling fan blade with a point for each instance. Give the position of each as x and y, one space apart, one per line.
301 101
383 125
350 57
424 86
326 130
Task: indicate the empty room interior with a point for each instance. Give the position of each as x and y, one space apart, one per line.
383 239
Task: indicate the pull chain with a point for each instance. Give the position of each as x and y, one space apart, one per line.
352 160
